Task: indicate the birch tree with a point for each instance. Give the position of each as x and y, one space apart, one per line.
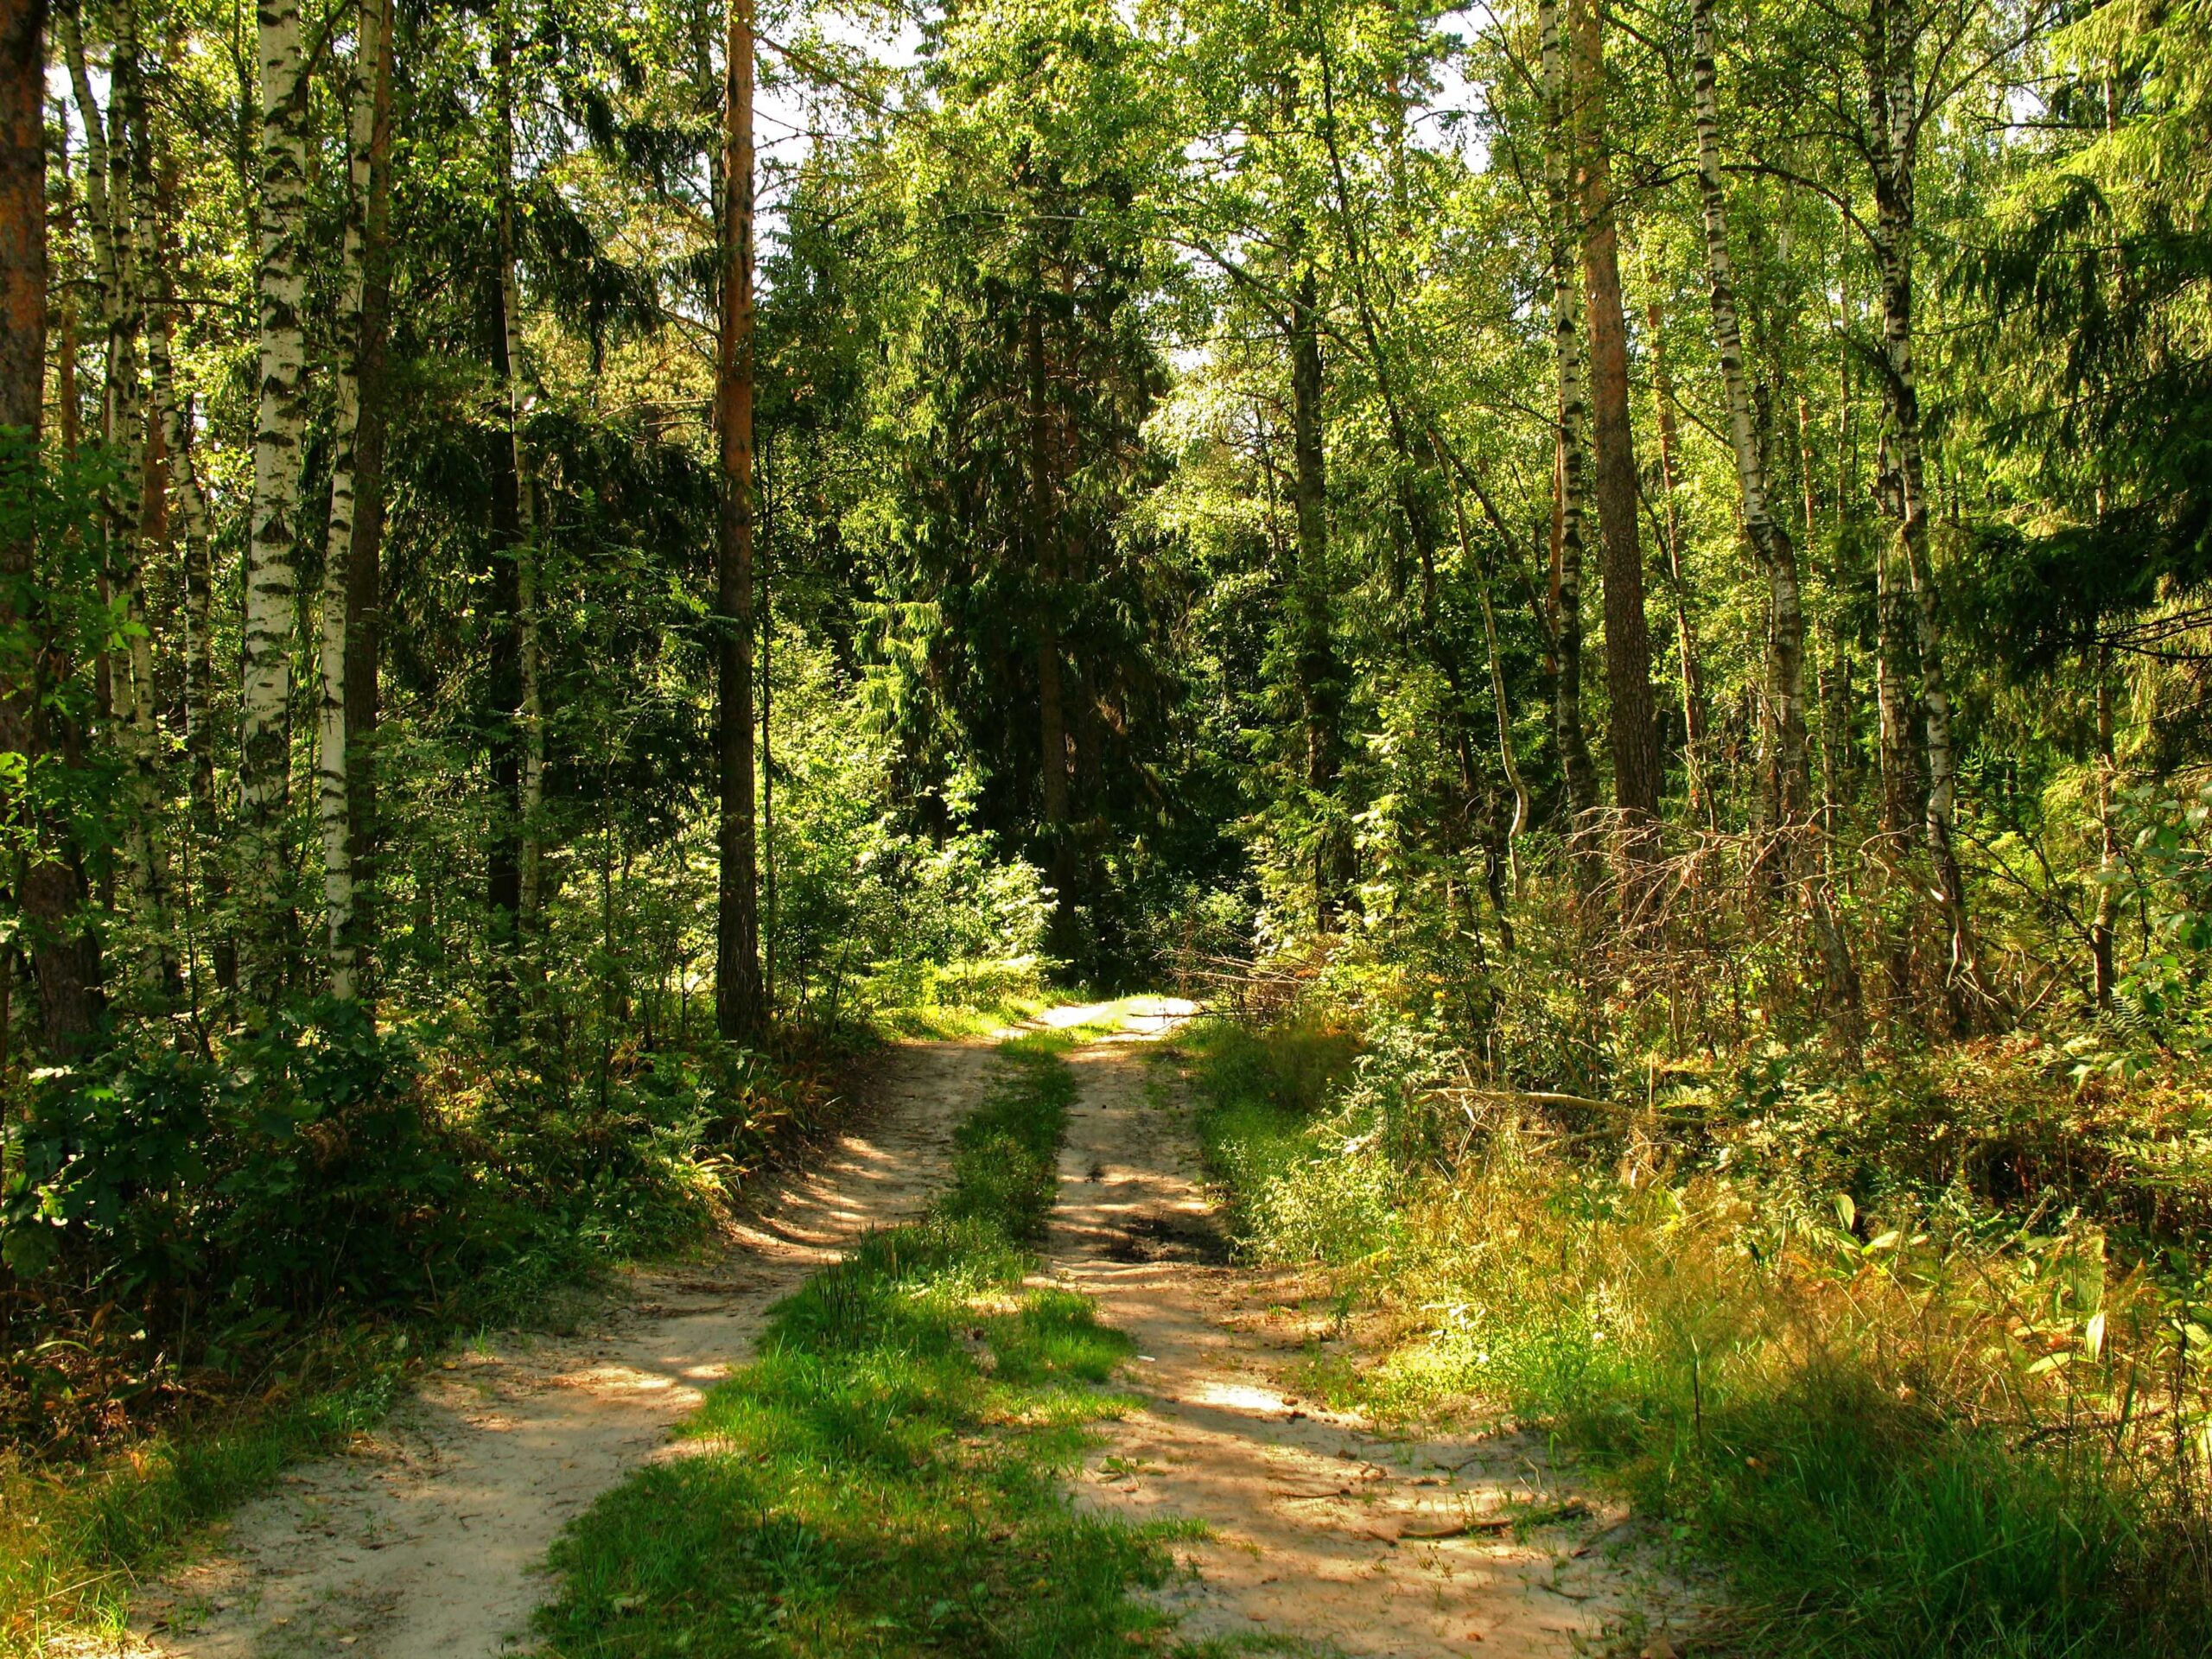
334 805
1770 539
280 286
1570 485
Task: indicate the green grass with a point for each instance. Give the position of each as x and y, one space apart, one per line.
888 1477
1761 1406
74 1538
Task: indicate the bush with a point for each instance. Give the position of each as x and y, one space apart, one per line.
221 1199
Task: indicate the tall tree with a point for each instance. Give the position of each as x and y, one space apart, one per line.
271 580
1899 101
1570 478
739 1007
49 881
332 765
1634 724
1770 539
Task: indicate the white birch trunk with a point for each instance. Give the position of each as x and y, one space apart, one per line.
264 730
333 804
1572 439
1769 539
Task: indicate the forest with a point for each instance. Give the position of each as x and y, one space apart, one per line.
1611 598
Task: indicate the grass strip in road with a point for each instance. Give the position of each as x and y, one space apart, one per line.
886 1477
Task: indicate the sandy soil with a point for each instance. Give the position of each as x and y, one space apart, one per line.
422 1544
1323 1531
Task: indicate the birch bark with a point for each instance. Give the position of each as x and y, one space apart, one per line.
1893 109
271 579
1568 534
333 801
1770 539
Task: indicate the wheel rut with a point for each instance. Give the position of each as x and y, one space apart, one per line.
1325 1534
424 1541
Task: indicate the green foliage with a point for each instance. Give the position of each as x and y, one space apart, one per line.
884 1478
302 1172
1904 1428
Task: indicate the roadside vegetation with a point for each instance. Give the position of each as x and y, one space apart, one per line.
1911 1350
886 1477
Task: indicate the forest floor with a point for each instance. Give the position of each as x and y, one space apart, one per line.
1322 1532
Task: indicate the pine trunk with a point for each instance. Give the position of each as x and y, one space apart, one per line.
50 888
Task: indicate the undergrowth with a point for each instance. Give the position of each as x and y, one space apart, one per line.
222 1268
886 1477
1932 1426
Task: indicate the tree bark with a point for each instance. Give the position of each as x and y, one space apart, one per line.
1634 722
1569 488
1319 688
2105 914
1694 738
364 572
264 728
132 205
1893 110
49 883
737 1004
1792 778
333 769
528 711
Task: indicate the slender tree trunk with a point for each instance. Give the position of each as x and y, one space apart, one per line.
1319 687
1628 637
333 794
1694 738
1899 779
131 202
738 1010
1499 703
364 575
1052 707
503 696
530 710
1791 783
172 417
264 731
1893 108
2106 912
1567 525
50 884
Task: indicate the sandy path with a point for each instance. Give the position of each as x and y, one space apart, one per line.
1323 1531
421 1545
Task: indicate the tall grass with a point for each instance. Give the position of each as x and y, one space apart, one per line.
1933 1430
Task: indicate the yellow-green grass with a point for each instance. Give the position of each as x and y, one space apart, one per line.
1866 1430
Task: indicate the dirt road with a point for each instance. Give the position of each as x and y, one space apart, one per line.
424 1543
1323 1531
